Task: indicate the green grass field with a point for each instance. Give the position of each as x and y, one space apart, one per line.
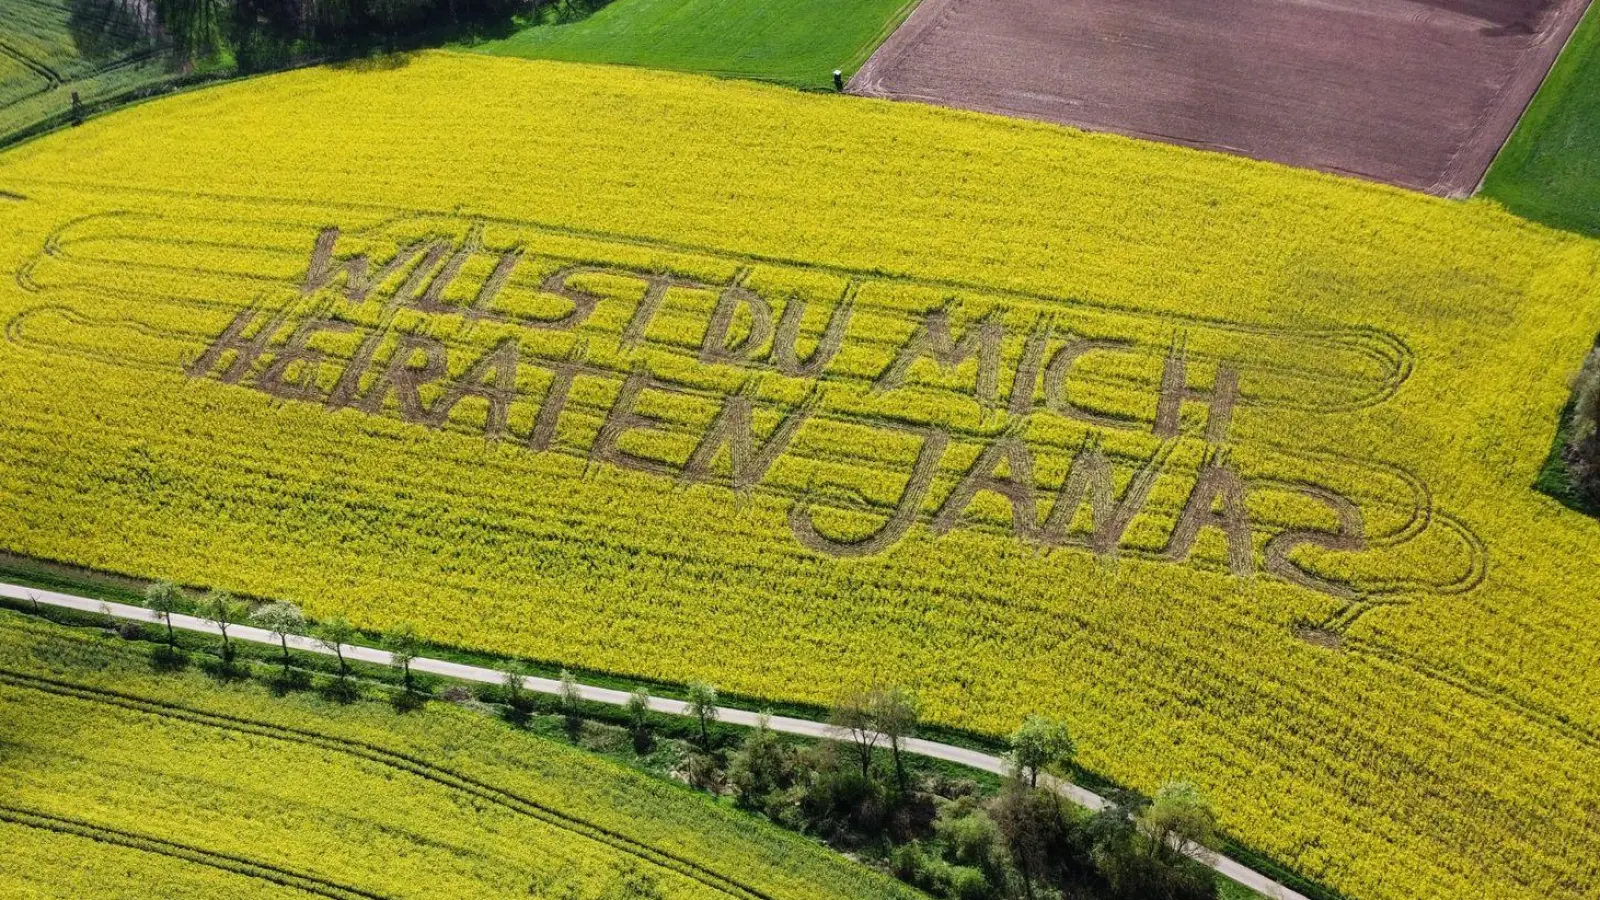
1550 169
799 42
50 49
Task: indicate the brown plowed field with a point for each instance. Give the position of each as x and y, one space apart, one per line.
1420 93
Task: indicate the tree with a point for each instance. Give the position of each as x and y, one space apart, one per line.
571 696
852 717
282 619
1036 832
164 599
221 610
1582 453
638 709
1178 821
516 691
1040 744
894 714
190 23
333 634
702 705
571 699
403 645
761 767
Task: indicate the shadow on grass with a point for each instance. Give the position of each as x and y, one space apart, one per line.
292 681
102 29
165 659
341 690
408 701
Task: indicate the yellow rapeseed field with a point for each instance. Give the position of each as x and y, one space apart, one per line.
121 783
1228 464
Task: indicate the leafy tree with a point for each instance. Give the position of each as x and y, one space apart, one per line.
165 598
571 700
404 646
638 710
221 610
1133 866
1040 744
852 717
702 706
895 713
282 619
1178 821
516 689
1583 442
333 634
763 766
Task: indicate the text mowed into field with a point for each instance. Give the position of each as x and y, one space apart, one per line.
1419 93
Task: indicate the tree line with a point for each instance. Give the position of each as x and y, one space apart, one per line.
261 34
860 791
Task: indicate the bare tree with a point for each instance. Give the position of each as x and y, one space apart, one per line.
895 712
333 634
702 705
852 718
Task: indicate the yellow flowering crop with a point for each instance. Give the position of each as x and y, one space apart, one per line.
222 788
1229 464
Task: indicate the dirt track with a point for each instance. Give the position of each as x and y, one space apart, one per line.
1420 93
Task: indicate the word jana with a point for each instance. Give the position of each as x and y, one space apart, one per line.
1004 466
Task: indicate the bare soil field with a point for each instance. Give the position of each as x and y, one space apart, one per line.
1419 93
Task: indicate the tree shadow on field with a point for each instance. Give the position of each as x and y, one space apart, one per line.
103 29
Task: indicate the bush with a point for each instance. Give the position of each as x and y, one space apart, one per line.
842 804
1582 452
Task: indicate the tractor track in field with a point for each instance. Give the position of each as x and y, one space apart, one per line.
1225 866
227 862
437 775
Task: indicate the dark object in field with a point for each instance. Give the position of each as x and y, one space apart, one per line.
77 110
838 80
1582 452
1419 93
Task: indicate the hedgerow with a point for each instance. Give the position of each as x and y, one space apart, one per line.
1226 464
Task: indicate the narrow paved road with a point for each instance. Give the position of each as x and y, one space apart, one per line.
986 762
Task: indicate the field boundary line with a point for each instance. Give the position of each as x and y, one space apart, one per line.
986 762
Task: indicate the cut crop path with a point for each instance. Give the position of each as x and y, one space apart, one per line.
798 42
1550 169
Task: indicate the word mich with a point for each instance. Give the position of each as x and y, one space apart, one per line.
271 353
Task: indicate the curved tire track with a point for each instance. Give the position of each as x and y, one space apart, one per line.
226 862
438 775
